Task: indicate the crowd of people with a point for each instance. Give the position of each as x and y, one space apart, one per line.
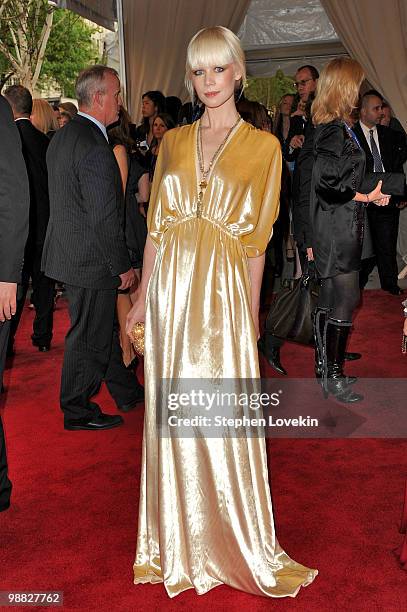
169 226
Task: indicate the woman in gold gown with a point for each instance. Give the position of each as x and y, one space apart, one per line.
205 515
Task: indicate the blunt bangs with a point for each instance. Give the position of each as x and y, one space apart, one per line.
208 52
211 47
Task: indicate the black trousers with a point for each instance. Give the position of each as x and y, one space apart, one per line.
93 354
384 227
5 484
42 297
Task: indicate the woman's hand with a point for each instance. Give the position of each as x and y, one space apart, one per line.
297 141
377 197
310 254
137 314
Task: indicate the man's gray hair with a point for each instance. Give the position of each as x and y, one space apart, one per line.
90 81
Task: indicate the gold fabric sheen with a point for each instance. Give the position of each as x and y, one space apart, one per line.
205 514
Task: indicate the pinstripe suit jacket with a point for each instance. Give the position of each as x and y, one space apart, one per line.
85 244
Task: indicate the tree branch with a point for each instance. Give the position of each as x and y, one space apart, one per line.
4 50
46 30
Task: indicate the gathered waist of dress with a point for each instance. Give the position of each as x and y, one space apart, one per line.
221 226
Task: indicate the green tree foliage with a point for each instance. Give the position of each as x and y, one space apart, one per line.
25 26
70 48
270 90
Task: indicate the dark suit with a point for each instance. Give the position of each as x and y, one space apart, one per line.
34 146
383 220
85 249
297 128
302 189
14 203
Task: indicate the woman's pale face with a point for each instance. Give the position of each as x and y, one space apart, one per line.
148 108
286 105
159 128
63 119
215 85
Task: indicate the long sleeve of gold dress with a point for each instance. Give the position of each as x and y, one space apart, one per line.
205 514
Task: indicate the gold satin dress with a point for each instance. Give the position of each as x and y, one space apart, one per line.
205 515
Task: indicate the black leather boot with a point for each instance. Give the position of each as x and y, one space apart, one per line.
319 318
352 356
335 339
271 352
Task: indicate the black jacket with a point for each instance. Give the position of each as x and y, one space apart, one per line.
336 220
14 198
34 146
301 190
85 244
393 150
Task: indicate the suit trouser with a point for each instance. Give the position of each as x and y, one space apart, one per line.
93 354
42 297
384 225
5 484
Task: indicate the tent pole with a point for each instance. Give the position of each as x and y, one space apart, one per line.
122 57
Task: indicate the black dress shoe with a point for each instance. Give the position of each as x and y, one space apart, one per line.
100 421
44 348
352 356
133 404
5 506
394 290
272 354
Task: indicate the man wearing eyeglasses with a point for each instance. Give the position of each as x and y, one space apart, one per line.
306 79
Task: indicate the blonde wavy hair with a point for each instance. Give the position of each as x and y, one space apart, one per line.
215 46
43 117
337 90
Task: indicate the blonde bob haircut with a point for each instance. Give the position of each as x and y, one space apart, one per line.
337 90
210 47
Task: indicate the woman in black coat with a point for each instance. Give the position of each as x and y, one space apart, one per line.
337 211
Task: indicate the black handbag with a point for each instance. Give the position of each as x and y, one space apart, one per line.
290 316
394 183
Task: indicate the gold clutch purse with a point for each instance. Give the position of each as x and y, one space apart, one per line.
137 338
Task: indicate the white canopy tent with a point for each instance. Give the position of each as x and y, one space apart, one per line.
274 33
283 34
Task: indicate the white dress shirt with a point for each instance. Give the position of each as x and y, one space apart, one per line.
366 132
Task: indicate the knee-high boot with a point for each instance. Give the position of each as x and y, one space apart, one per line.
334 345
319 319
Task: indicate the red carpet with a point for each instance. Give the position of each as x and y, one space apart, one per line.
72 524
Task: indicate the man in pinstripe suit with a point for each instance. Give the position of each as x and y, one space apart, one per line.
85 249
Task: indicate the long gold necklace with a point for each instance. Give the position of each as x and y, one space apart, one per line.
203 183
